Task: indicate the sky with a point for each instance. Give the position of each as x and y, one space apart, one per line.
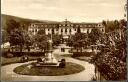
59 10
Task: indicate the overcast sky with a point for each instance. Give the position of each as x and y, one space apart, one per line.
59 10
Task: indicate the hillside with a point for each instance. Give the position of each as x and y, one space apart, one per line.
6 18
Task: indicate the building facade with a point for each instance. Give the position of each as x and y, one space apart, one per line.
64 28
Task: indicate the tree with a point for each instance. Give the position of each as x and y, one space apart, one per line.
104 23
4 36
41 41
123 23
56 39
41 31
12 24
78 41
78 30
75 45
27 39
16 38
111 25
95 35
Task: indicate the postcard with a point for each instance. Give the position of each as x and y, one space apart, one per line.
64 40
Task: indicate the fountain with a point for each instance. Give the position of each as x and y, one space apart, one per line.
49 59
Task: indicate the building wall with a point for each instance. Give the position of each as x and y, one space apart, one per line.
64 28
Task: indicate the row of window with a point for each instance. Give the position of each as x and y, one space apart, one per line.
66 25
33 30
57 30
65 31
69 29
62 30
44 25
75 25
87 25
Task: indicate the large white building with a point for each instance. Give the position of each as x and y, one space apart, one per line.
64 28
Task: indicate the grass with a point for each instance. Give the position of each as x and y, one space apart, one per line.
70 68
7 61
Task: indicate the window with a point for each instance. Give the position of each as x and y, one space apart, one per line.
75 29
30 29
52 31
57 29
87 30
102 30
48 29
35 30
66 30
61 30
70 30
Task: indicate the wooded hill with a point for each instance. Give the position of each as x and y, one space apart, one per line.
6 18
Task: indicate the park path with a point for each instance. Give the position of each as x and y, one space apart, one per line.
86 75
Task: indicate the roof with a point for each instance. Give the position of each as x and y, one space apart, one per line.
68 22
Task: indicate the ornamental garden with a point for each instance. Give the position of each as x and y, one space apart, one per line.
105 50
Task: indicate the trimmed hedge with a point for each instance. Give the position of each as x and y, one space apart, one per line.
19 54
78 54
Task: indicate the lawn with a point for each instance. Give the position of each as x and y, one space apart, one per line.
7 61
71 68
